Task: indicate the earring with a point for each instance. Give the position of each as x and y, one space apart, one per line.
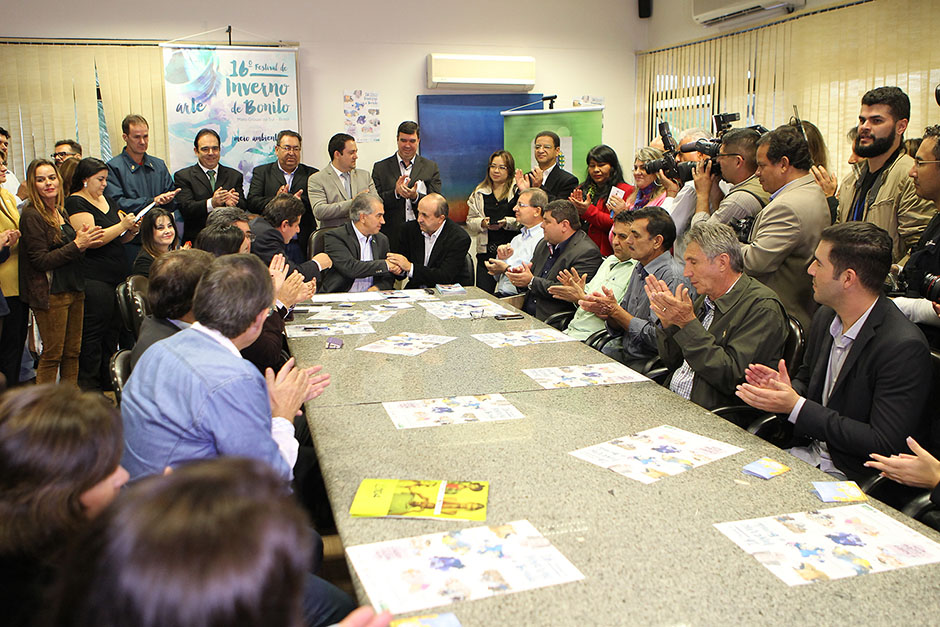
85 184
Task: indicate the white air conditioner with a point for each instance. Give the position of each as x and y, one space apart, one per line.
475 71
709 12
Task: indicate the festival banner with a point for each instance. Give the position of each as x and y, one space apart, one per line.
579 128
246 94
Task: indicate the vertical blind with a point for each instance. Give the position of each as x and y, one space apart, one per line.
823 63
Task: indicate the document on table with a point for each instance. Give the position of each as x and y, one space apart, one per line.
410 344
436 569
434 412
412 295
369 315
328 328
609 373
464 309
448 619
655 453
412 498
347 297
394 305
847 541
523 338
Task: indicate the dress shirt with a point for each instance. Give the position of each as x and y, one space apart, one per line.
346 179
422 188
365 254
214 179
681 208
282 430
288 176
429 240
523 247
613 274
780 191
817 453
546 173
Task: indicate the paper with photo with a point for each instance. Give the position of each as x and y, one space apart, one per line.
609 373
435 412
523 338
816 546
353 316
406 344
838 492
450 288
328 328
413 498
765 468
655 453
464 309
346 297
436 569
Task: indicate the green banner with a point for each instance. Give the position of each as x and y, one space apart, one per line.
579 129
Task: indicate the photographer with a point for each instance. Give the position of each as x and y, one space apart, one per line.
736 163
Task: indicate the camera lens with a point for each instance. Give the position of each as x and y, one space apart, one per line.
930 288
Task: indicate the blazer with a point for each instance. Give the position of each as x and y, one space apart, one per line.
783 241
559 184
328 194
193 184
267 179
448 260
152 330
749 326
342 245
269 242
881 394
580 253
385 174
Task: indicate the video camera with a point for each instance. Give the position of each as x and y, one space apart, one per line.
681 171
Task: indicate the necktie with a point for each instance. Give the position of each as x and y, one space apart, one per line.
346 185
211 174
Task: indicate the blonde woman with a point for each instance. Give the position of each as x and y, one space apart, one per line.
491 218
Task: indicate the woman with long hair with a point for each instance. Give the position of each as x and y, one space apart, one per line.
649 190
60 453
51 278
596 203
490 216
157 236
105 267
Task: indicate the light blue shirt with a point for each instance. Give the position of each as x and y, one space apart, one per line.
365 254
523 247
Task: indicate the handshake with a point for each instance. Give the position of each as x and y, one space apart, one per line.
398 264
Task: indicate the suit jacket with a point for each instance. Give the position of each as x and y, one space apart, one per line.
580 252
749 326
783 241
195 191
559 184
152 330
385 174
267 179
448 260
269 242
342 245
328 194
881 394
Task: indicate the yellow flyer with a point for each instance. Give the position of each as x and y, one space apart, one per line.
412 498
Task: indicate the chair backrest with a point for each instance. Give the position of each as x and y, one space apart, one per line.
933 406
469 272
315 243
140 309
124 305
138 283
794 346
120 368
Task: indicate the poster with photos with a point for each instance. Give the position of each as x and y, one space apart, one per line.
361 115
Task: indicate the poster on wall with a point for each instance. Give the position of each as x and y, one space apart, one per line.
246 94
361 113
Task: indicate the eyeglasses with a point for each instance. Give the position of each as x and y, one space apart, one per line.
290 148
496 166
545 146
522 205
62 155
920 162
250 235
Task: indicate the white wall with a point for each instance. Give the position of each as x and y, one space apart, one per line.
382 46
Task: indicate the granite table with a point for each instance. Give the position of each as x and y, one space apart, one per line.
649 553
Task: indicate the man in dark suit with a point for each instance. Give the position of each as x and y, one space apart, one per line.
548 175
403 180
173 280
865 378
358 250
433 248
564 246
279 223
287 175
206 185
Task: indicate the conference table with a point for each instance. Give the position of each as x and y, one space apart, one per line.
649 553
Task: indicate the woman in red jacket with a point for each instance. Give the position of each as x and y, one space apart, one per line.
595 198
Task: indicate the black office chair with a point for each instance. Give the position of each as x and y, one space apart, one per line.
139 310
122 292
469 272
794 346
559 320
315 243
120 368
138 284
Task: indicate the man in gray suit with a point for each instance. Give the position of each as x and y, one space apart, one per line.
332 190
787 230
358 250
564 246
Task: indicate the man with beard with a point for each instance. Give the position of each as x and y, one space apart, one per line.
883 194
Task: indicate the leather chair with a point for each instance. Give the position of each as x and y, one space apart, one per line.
315 243
124 305
559 320
120 368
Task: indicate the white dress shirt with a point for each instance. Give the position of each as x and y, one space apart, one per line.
523 247
365 254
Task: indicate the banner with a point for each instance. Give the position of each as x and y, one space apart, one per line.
580 129
245 94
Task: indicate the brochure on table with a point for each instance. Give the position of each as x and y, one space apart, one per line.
523 338
413 498
436 412
409 344
328 328
464 309
609 373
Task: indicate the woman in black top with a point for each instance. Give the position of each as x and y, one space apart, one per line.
51 280
157 236
105 267
491 216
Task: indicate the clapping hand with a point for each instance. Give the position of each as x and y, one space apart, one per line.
768 389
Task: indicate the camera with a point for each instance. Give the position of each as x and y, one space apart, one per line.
930 287
668 164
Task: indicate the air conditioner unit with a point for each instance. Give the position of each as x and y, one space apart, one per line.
476 71
710 12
